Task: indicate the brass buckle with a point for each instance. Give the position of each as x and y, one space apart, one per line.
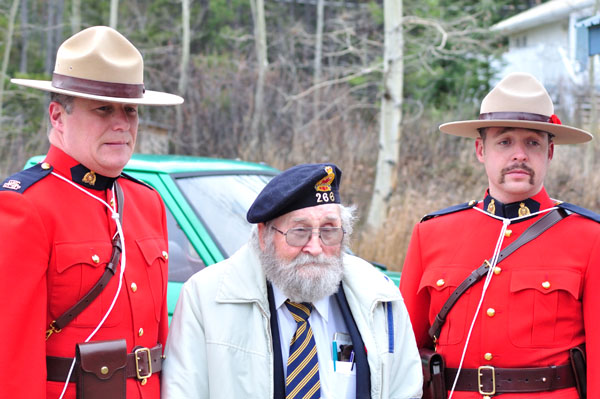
142 377
52 329
479 375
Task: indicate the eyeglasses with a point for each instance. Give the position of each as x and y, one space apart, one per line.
299 236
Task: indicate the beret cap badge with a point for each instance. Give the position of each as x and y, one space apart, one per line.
325 183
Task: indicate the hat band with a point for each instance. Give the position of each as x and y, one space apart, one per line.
518 116
96 87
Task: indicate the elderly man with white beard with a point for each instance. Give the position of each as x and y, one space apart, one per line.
292 314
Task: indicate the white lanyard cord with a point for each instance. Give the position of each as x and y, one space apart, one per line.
488 278
115 217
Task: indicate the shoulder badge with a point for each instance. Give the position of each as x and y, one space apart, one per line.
452 209
21 181
133 179
580 211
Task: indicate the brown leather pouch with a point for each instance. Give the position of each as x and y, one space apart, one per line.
578 362
103 366
434 383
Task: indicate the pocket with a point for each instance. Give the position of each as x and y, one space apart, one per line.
154 254
343 380
441 282
544 307
75 269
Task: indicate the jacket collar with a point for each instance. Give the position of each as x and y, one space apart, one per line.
516 209
70 168
245 281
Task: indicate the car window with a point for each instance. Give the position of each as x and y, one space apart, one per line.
221 202
183 258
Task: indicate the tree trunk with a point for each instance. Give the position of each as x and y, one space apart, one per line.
318 57
75 16
114 13
260 41
7 45
390 130
25 36
183 71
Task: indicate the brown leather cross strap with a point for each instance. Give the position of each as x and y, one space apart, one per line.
532 232
58 367
488 380
68 316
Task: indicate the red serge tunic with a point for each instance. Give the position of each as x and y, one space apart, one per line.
543 300
55 244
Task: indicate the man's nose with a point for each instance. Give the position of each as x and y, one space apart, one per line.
121 120
313 246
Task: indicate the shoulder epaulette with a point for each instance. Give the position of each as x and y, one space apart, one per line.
580 211
133 179
21 181
452 209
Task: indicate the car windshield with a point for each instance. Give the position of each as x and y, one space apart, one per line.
221 201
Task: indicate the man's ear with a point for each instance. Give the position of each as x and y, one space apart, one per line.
550 150
57 114
261 235
479 149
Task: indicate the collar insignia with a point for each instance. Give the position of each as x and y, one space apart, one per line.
523 210
89 178
12 184
325 183
491 207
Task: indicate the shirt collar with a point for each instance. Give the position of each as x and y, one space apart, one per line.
70 168
321 306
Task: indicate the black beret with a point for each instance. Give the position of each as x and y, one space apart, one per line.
300 186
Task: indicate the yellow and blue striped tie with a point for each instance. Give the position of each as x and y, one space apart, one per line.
303 364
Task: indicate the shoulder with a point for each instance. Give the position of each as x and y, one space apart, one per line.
362 276
134 180
21 181
580 211
450 210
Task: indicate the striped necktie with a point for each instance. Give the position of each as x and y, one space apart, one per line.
303 364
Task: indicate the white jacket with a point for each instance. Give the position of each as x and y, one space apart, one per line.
220 343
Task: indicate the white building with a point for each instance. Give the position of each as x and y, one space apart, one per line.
546 42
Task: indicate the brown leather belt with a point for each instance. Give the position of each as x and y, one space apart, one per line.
141 363
488 380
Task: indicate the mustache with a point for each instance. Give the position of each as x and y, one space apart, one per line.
521 166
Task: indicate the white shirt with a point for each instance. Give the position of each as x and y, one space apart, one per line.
325 320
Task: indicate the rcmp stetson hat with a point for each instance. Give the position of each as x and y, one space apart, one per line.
521 101
300 186
101 64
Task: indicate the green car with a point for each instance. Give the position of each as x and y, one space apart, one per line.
207 200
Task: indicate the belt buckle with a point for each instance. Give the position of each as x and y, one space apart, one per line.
143 377
480 385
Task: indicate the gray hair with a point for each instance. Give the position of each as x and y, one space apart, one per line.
63 99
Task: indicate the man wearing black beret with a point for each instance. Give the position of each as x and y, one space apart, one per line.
292 314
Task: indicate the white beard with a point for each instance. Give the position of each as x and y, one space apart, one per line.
306 278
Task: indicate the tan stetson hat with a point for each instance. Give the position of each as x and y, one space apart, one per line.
101 64
518 100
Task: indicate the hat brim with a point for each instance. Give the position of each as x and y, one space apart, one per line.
562 134
150 97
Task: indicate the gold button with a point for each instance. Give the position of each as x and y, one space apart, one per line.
165 255
546 284
486 397
497 270
507 233
488 356
144 381
104 370
491 312
472 202
95 258
141 332
440 282
133 287
112 202
45 166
